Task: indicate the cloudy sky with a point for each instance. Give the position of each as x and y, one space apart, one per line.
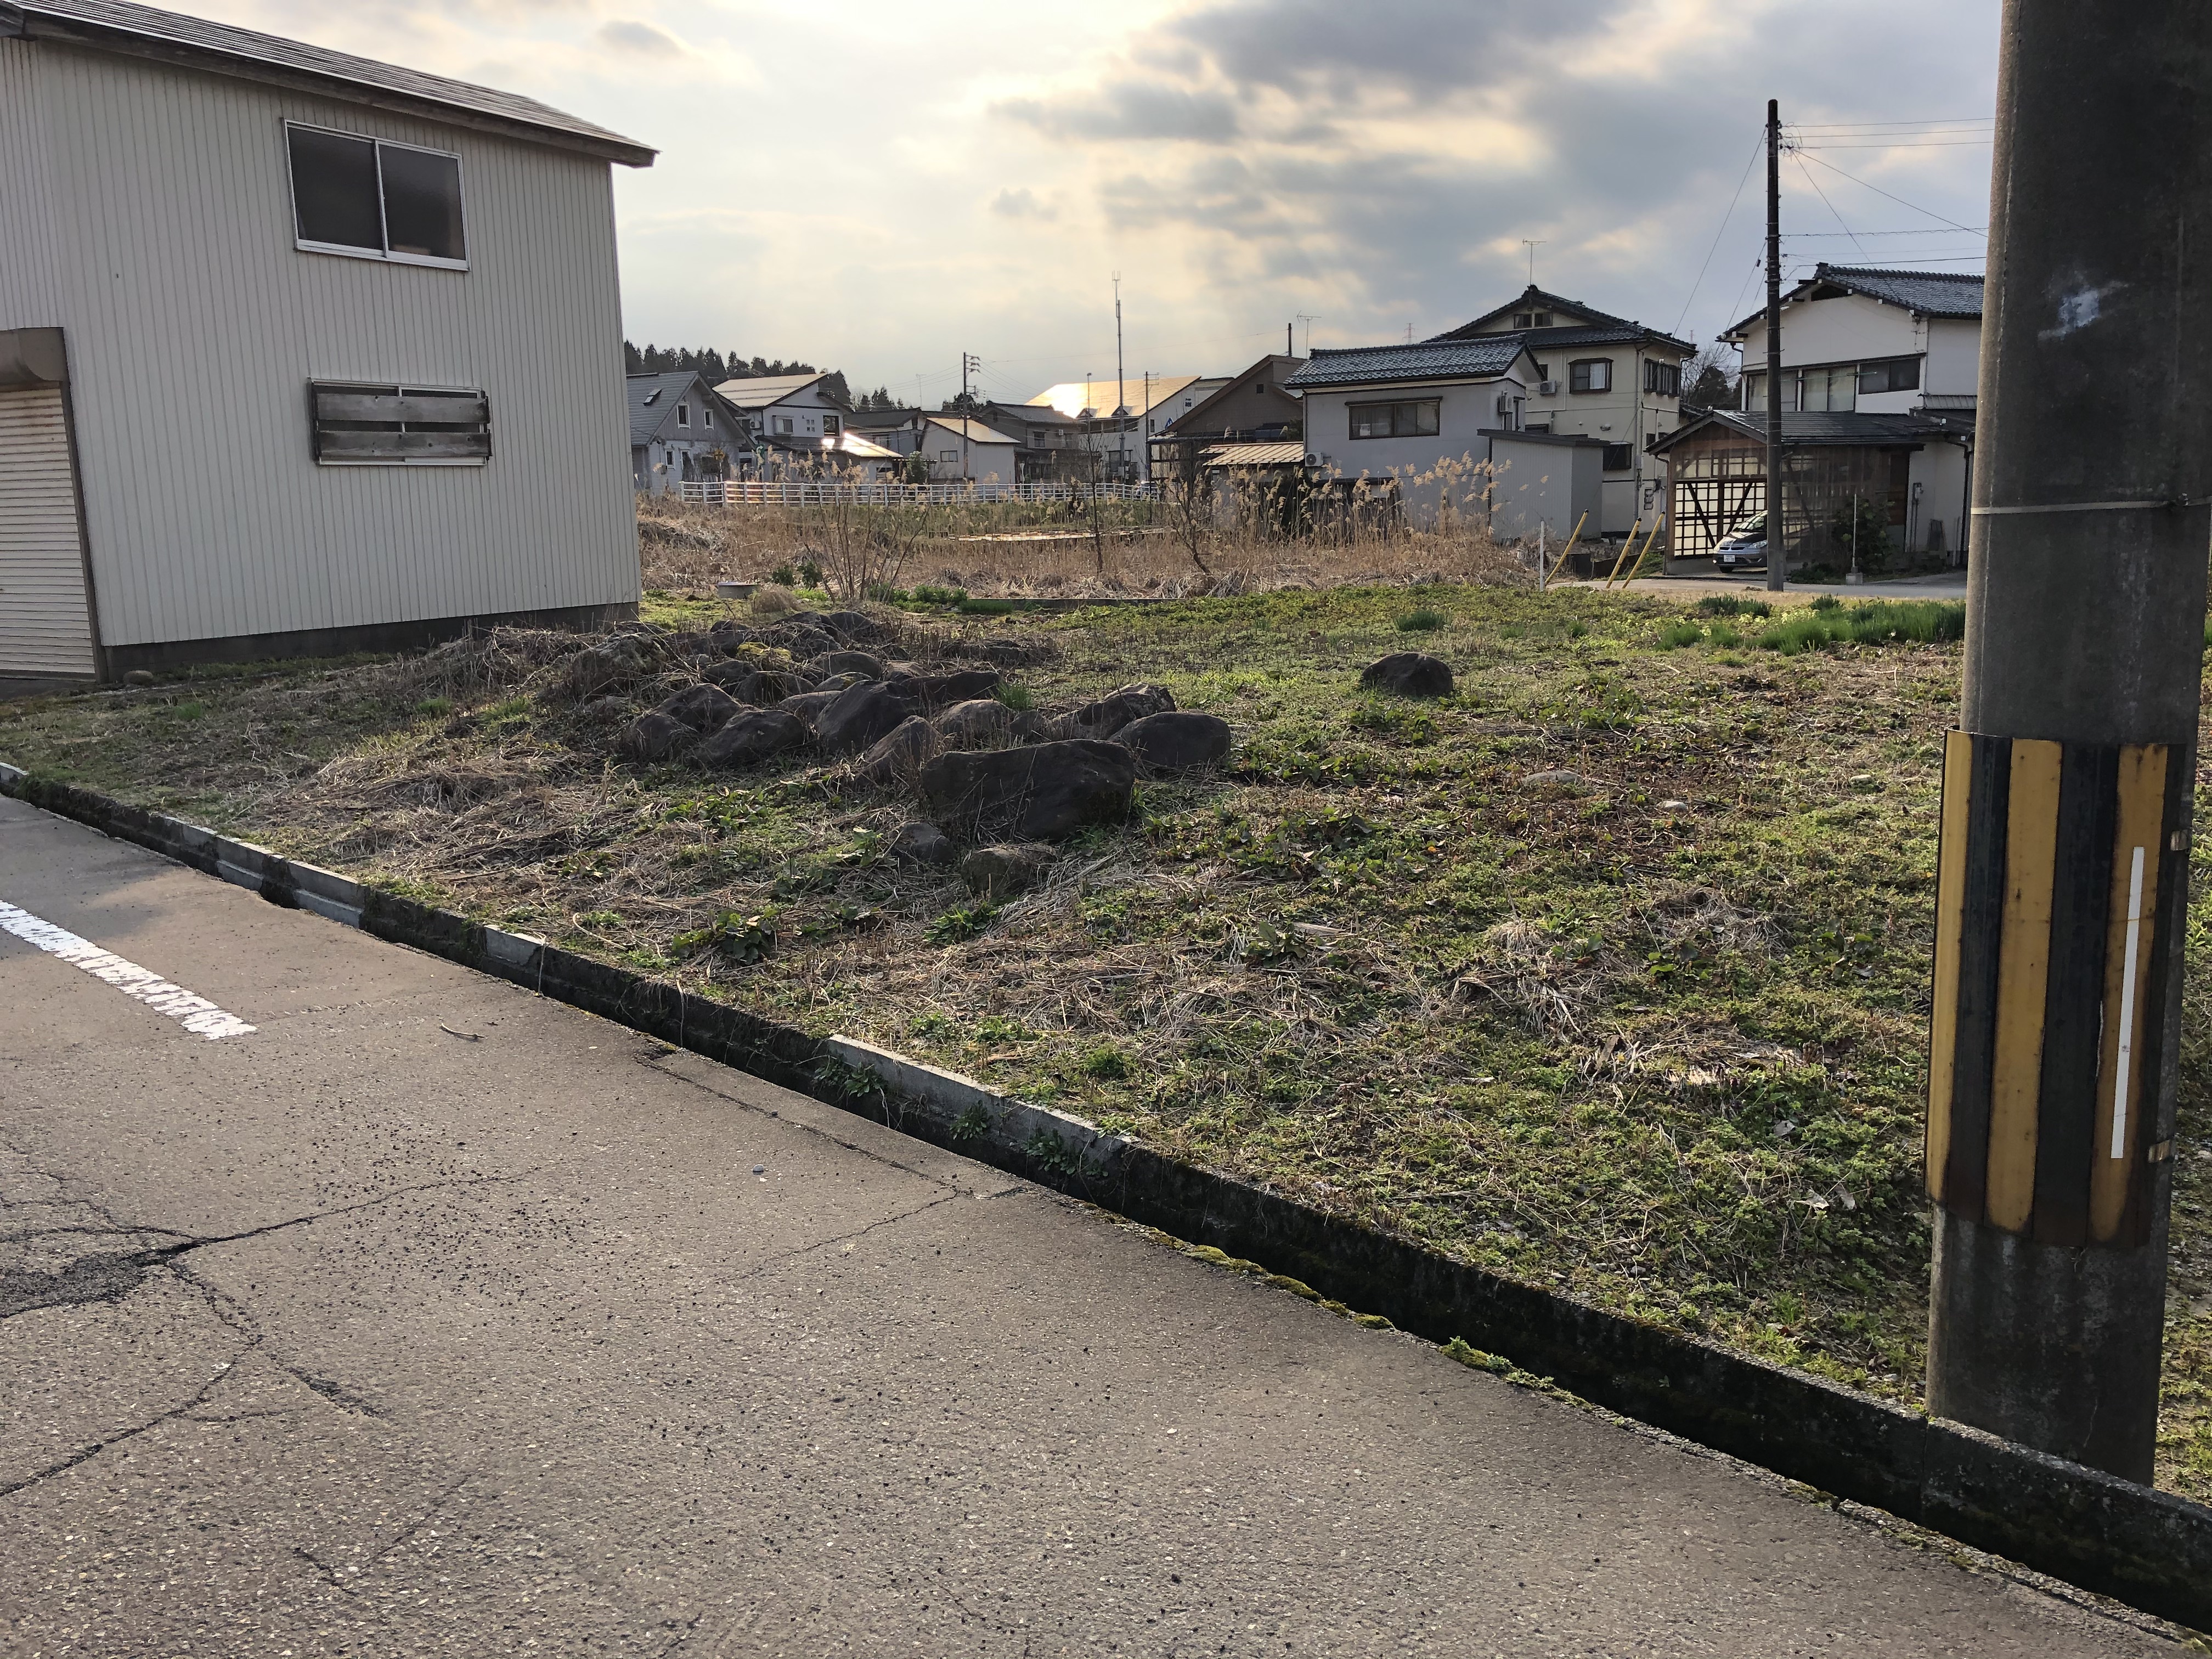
879 188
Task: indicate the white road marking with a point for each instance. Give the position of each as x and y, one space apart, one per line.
2127 1047
197 1015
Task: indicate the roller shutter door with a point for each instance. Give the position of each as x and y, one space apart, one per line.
45 621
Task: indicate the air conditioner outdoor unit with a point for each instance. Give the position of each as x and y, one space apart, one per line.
1547 388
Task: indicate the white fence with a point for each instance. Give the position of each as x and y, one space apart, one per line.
768 492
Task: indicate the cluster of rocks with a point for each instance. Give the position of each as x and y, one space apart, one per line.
1004 782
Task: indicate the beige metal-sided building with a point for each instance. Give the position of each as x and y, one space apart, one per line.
299 353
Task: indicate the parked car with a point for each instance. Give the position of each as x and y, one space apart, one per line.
1746 550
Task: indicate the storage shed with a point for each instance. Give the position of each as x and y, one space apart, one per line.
299 353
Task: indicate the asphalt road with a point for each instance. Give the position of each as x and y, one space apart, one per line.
428 1317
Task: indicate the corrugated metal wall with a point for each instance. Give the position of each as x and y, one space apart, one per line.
159 235
45 625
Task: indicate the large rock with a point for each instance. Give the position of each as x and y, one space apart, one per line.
1176 741
1103 717
653 736
895 759
861 715
923 843
1409 674
752 738
806 708
942 690
749 682
703 707
979 723
1036 793
1009 652
830 663
1001 871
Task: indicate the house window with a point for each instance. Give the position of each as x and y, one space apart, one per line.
1524 319
1407 420
950 457
682 414
1620 458
397 425
1590 375
832 424
706 416
375 200
1898 375
783 423
1663 379
1754 393
1830 391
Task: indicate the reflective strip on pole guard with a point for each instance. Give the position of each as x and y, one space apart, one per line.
2049 981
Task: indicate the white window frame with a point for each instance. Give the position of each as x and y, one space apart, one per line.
384 255
684 414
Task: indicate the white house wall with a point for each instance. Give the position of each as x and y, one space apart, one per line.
147 213
1847 328
1449 467
1954 357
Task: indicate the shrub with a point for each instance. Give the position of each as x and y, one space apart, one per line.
1675 636
434 706
1732 605
809 573
1015 697
1420 622
985 607
926 594
784 576
1826 602
885 594
1107 1063
964 923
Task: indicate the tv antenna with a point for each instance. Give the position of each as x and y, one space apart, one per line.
1532 248
1309 319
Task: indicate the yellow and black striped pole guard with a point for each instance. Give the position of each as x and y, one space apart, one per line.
2058 883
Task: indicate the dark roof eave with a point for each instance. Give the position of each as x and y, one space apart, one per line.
28 23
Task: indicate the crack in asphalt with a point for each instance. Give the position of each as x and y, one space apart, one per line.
110 1276
794 1254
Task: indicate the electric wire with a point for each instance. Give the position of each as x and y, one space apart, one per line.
1721 232
1823 195
1899 200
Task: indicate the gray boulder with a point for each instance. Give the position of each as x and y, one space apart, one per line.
922 843
701 708
831 663
861 715
806 708
895 759
854 625
1176 741
760 687
942 690
750 738
1103 717
1036 793
1001 871
653 736
1409 674
977 723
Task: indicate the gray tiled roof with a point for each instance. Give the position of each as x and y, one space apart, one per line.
1928 292
652 395
119 25
1809 427
1568 336
1485 358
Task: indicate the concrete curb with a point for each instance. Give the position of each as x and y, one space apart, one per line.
2140 1546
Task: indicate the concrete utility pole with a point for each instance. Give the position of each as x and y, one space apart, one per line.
1777 556
2067 795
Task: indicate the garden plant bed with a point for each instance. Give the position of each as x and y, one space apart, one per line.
1607 971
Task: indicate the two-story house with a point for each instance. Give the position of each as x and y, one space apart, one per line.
1252 407
1114 420
1602 377
1426 416
680 432
1879 375
379 314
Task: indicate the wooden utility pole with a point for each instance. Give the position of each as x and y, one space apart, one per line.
2063 873
1777 555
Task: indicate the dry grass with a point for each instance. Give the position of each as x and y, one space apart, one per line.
1138 547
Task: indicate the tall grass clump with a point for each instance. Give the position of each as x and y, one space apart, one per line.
1420 622
1732 605
1884 622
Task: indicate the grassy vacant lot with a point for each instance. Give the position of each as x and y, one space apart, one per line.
1608 972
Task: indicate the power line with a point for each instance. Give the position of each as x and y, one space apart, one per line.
1721 232
1963 144
1930 123
1899 200
1796 235
1823 195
